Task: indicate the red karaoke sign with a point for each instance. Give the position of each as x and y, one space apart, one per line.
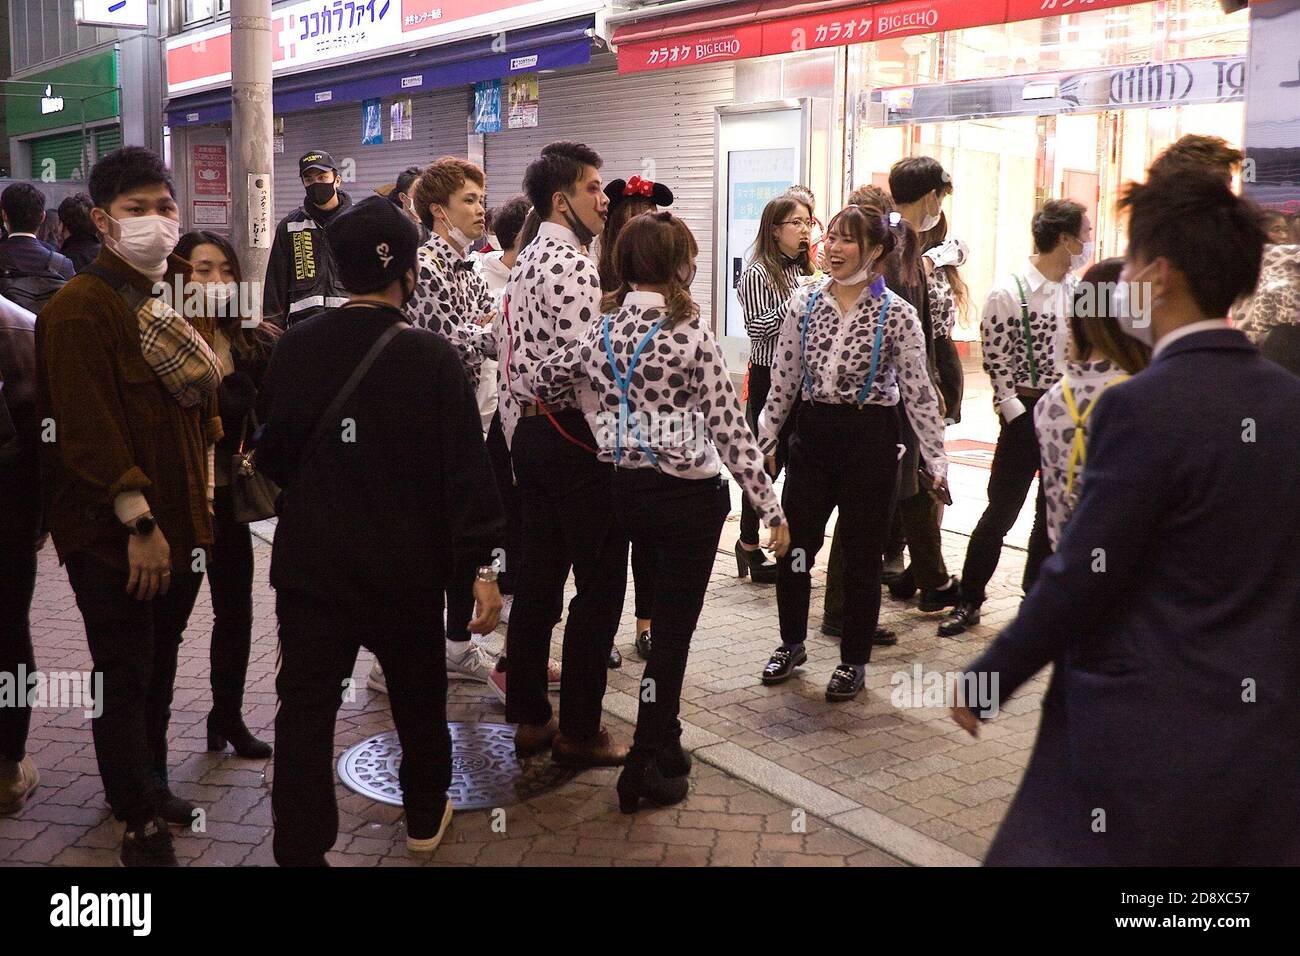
829 28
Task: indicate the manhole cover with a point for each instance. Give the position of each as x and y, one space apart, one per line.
484 771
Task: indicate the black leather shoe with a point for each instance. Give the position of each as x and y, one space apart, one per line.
755 564
845 683
884 637
784 661
615 658
641 779
149 844
936 599
238 736
902 587
643 645
170 807
962 616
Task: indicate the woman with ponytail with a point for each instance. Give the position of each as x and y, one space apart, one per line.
653 386
849 348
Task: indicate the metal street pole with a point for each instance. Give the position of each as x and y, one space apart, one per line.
251 132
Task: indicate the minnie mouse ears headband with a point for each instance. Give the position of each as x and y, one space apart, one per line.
657 193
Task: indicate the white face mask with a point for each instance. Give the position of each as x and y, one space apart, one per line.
218 296
865 274
146 241
1137 324
929 222
1078 261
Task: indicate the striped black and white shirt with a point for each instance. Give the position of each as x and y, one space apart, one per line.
764 307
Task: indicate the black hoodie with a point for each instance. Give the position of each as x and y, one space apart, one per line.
301 280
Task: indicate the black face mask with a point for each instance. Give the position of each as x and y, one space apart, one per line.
318 194
578 227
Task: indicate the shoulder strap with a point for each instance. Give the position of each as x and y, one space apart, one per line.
803 338
1079 441
1029 333
350 386
875 348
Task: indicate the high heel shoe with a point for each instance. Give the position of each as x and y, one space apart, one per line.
642 779
755 564
673 761
239 737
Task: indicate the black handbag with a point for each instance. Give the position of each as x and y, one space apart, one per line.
252 494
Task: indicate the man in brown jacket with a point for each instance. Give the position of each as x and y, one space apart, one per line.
125 460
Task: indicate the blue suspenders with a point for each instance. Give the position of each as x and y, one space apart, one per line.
624 382
875 346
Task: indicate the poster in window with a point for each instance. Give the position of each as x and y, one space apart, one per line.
399 115
372 124
523 100
487 106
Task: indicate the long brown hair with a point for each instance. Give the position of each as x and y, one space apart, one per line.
255 342
656 248
766 250
959 289
867 228
619 216
900 267
1093 326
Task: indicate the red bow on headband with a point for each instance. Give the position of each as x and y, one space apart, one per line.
636 185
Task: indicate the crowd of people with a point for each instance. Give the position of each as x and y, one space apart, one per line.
450 409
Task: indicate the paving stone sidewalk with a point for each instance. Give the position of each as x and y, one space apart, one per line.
724 821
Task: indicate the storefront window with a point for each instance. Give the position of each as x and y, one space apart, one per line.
1070 106
196 10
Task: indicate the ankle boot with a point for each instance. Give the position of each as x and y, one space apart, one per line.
673 761
221 731
642 779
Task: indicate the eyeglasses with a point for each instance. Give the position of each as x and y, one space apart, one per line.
797 222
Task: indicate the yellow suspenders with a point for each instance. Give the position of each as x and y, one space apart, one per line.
1078 446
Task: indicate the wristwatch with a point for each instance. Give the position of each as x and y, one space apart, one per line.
487 574
143 526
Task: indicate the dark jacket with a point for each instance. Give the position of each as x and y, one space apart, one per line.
25 254
237 395
82 250
20 479
117 428
301 279
1172 617
377 524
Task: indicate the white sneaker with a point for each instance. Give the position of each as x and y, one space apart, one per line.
375 680
474 664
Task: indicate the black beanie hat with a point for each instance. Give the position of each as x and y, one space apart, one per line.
374 245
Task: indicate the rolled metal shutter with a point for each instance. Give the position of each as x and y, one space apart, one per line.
58 157
438 129
107 139
659 125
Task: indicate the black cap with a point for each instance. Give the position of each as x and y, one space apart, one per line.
316 159
374 245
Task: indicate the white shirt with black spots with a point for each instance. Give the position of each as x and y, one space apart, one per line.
1055 427
449 297
680 398
1276 299
838 360
552 297
1002 333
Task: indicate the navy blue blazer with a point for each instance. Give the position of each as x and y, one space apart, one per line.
1171 729
25 254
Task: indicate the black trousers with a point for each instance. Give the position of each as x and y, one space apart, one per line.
503 473
230 579
133 645
760 383
644 563
1014 462
17 585
675 523
318 651
841 456
565 495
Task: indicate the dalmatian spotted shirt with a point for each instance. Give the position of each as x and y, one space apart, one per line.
680 398
1276 300
839 360
1055 427
552 297
1002 330
943 301
449 296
